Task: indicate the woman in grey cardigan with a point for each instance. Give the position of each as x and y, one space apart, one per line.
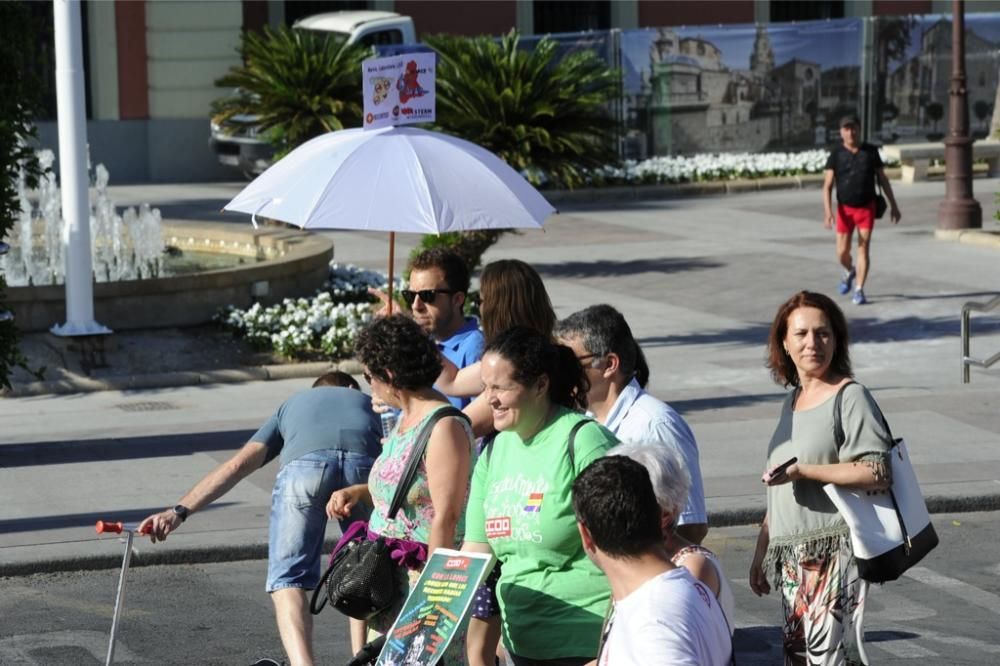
804 546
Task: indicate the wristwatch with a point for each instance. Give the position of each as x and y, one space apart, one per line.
181 511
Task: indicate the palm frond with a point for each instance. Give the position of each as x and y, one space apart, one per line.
537 111
297 84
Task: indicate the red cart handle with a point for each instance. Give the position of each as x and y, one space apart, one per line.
117 527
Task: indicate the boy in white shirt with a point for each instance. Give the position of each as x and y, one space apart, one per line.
662 614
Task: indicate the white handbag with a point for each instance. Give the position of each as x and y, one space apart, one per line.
890 529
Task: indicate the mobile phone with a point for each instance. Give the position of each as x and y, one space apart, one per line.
780 469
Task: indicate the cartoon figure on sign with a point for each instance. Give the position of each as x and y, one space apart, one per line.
412 657
407 85
381 86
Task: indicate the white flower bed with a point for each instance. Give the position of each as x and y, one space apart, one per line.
328 322
324 324
348 282
708 166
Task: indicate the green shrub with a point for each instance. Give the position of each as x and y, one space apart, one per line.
539 113
18 106
298 83
546 117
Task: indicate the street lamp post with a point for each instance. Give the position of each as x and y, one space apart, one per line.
959 210
72 125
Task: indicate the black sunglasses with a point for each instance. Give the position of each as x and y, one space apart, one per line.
426 295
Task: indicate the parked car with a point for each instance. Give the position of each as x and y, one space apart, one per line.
236 141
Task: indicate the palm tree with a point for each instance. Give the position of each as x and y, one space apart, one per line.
296 84
540 113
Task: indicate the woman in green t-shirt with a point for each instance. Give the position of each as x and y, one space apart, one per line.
552 598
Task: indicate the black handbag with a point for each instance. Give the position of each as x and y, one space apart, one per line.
880 203
362 579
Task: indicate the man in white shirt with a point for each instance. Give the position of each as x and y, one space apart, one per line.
662 614
617 370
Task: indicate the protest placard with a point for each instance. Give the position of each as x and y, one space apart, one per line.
398 89
437 609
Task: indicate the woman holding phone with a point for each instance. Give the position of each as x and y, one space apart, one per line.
804 546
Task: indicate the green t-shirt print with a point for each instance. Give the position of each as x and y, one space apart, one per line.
520 503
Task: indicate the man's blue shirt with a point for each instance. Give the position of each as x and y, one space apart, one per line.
464 348
326 417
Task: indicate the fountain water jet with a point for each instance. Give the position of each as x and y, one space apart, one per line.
217 264
124 247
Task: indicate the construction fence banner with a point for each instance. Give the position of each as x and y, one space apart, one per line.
911 58
398 89
437 609
739 88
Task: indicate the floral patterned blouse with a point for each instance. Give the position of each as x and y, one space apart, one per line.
414 519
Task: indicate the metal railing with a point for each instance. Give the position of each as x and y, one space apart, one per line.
967 360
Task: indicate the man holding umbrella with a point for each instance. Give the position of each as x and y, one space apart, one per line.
439 284
443 278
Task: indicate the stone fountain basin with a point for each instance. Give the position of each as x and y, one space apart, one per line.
296 264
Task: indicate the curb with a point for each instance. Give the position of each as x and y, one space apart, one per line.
713 187
676 190
207 555
935 504
970 236
77 384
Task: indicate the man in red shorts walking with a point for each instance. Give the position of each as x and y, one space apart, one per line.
855 166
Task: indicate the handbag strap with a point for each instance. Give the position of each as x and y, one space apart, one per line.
417 453
570 444
839 437
838 427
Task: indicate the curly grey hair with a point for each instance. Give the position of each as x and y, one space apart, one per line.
671 479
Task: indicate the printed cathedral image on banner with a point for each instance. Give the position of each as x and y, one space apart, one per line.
739 88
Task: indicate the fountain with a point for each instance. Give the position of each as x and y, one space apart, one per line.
124 247
151 273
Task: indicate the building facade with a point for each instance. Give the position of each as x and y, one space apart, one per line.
151 66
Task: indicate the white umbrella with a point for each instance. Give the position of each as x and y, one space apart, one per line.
396 179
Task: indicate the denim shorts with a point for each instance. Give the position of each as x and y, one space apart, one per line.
298 513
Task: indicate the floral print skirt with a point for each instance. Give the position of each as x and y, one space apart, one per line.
823 600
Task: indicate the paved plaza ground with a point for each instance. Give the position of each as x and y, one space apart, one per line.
698 279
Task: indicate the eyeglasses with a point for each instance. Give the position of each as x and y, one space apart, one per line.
493 389
426 295
584 358
368 377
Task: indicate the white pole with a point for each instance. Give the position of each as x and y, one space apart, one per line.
73 173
